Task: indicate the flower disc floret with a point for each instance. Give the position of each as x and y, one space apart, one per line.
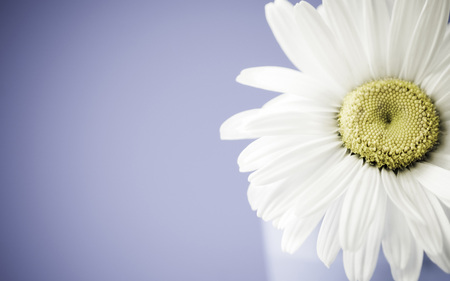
391 123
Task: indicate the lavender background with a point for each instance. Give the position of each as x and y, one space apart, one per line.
111 163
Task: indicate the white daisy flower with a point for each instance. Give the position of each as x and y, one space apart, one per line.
358 138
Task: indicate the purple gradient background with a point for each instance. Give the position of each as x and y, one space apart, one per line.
112 167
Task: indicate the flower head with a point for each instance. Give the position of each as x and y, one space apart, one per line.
358 138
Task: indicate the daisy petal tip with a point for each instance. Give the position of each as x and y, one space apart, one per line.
326 261
283 4
258 212
226 131
234 128
239 78
303 5
268 9
222 133
288 249
242 75
351 245
242 170
229 128
247 76
279 2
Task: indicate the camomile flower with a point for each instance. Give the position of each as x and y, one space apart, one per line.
357 139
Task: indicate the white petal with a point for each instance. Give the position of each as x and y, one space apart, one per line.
435 179
234 127
412 271
439 44
390 4
264 199
442 259
282 100
443 55
282 199
258 195
322 191
443 105
254 196
425 40
406 197
290 123
428 234
285 80
343 19
271 121
360 265
398 242
363 197
295 234
266 149
440 159
328 240
287 164
404 18
444 139
376 23
322 45
280 16
436 84
322 12
271 78
333 162
437 87
447 211
313 103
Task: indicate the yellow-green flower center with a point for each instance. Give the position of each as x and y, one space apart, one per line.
390 123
